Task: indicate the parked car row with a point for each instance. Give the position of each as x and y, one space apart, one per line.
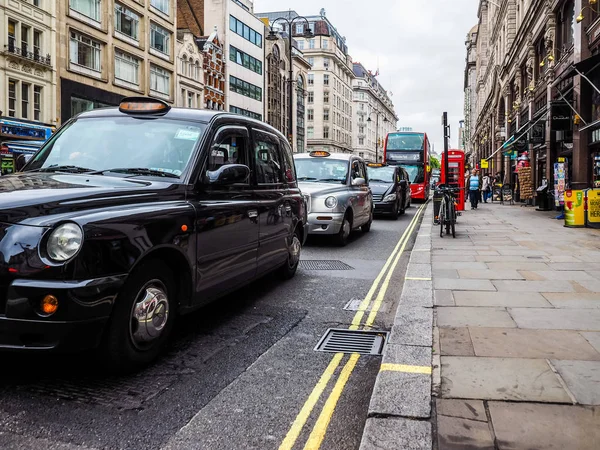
104 241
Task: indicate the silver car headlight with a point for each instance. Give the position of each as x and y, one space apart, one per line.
390 198
331 202
64 242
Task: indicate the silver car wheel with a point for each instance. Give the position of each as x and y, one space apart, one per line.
295 251
149 315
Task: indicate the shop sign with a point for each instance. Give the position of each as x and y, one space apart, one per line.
485 164
561 116
574 209
596 136
593 216
538 133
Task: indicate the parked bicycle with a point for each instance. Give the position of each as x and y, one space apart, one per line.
447 215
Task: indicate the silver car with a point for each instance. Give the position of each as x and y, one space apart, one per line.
337 193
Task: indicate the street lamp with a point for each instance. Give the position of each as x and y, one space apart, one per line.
385 119
273 36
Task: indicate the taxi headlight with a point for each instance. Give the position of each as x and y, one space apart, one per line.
390 198
331 202
64 242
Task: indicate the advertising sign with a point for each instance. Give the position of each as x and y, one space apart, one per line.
593 215
561 116
574 208
538 133
485 164
559 183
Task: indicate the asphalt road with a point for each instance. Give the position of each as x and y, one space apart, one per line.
236 376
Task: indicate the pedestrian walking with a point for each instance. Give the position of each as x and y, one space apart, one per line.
474 189
486 187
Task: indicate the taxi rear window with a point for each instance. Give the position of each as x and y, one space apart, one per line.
106 143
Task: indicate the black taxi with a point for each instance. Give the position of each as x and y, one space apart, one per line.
129 216
391 189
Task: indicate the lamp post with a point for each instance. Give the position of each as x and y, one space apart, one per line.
385 119
273 36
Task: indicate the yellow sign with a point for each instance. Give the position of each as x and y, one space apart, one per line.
485 164
574 209
593 216
428 168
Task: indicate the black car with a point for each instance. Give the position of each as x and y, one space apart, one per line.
130 216
391 189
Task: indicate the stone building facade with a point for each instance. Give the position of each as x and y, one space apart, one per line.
213 69
189 89
537 89
28 61
108 49
373 115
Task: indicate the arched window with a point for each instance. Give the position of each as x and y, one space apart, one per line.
197 77
184 65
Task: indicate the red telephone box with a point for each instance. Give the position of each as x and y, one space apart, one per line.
456 174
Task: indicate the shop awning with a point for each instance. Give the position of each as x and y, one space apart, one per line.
581 68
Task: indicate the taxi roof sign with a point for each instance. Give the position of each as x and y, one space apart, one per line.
143 105
319 153
376 165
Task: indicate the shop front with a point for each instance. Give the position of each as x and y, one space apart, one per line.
20 137
77 97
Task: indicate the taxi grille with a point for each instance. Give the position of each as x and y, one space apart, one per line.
377 197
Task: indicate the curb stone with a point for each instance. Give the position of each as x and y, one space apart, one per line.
400 407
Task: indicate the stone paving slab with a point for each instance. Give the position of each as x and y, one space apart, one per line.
517 265
509 251
419 271
417 293
455 433
413 326
590 285
456 342
594 273
535 344
574 266
513 379
420 257
500 299
443 298
445 273
465 409
458 265
463 285
533 286
556 319
547 427
455 258
507 259
448 316
564 275
575 300
490 274
582 379
396 433
593 338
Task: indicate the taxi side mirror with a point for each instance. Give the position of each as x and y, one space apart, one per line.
359 182
229 174
20 162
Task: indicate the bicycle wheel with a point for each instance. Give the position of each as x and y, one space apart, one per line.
441 217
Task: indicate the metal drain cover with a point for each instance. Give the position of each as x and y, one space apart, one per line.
339 340
318 264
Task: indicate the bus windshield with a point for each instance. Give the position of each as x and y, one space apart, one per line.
405 141
416 174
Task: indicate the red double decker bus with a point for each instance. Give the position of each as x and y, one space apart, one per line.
411 150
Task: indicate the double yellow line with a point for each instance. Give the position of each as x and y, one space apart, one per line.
320 428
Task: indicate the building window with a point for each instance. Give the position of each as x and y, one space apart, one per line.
84 51
161 5
159 38
127 68
311 61
37 103
311 114
24 39
12 98
126 21
301 45
311 79
361 141
37 44
12 35
326 79
25 100
241 29
310 97
326 115
89 8
310 132
160 80
325 132
325 43
361 154
326 62
245 60
36 3
325 97
244 88
311 43
299 28
190 100
567 26
245 112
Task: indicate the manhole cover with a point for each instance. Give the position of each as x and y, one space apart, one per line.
317 264
338 340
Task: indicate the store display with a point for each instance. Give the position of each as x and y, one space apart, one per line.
560 181
525 183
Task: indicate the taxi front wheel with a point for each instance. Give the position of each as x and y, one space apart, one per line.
142 318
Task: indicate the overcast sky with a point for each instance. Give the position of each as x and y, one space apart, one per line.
419 46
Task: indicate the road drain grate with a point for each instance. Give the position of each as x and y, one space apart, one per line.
317 264
338 340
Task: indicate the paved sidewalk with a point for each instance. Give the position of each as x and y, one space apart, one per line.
517 313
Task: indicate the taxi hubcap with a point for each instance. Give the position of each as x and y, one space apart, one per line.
346 227
295 251
149 314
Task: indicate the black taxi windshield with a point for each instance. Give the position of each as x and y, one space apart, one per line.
322 170
381 174
154 147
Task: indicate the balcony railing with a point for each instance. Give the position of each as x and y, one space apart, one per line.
34 56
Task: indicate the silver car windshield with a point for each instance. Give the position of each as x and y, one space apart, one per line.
123 144
322 170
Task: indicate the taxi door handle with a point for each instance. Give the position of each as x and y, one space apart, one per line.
253 215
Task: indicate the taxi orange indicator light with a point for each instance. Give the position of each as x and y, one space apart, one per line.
49 305
143 105
184 228
375 165
319 153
